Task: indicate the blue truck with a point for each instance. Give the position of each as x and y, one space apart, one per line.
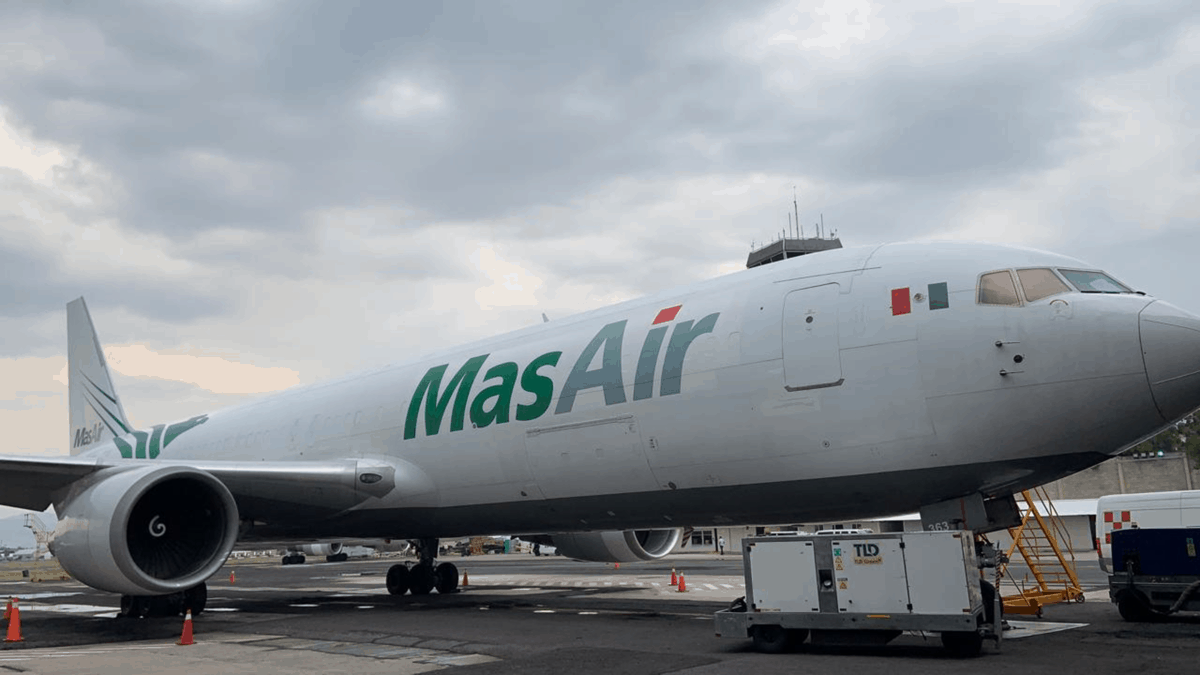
1155 572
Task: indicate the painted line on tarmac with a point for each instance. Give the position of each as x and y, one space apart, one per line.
1025 629
26 655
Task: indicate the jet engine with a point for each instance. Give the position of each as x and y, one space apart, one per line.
618 546
318 549
151 530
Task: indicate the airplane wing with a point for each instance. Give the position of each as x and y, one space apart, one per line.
263 490
26 482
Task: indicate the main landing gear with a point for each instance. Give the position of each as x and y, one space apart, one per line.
293 559
424 576
175 604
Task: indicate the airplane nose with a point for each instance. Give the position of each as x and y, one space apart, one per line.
1171 352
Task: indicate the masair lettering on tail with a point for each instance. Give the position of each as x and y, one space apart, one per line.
493 404
86 436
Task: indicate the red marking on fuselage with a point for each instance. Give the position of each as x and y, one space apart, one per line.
667 314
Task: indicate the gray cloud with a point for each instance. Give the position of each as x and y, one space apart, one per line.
252 119
225 119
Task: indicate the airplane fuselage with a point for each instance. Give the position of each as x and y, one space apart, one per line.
849 383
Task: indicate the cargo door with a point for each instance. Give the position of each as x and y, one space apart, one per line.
811 357
596 457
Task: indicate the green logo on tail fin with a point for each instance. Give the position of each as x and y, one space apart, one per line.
150 443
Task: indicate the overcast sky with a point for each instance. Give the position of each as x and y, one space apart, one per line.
254 194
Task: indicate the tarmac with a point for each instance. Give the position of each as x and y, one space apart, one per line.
524 614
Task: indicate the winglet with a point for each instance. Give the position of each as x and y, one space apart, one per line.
96 411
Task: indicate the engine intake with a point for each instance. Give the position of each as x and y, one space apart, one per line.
151 530
617 546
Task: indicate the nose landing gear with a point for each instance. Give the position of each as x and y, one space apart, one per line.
425 576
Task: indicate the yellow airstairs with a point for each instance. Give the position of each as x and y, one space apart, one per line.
1044 546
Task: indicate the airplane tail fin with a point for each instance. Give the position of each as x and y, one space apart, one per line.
96 411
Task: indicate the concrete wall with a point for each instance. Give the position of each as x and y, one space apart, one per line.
1122 475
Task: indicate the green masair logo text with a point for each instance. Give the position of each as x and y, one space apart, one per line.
149 443
493 403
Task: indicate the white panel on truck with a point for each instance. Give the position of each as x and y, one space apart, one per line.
784 576
937 581
869 576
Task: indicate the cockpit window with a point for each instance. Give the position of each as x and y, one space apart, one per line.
1040 283
1093 282
997 288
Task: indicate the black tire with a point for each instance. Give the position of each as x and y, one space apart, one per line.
195 599
963 644
134 606
796 637
287 560
771 639
166 605
988 591
398 579
422 579
447 578
337 557
1133 607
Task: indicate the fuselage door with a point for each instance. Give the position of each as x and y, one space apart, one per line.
810 338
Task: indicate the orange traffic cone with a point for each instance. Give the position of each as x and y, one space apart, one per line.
186 638
14 623
682 584
618 566
232 579
466 581
7 609
674 579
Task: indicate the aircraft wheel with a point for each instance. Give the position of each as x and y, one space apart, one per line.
447 578
422 579
337 557
398 579
128 607
195 598
287 560
134 606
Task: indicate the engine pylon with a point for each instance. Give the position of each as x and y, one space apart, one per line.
186 638
14 622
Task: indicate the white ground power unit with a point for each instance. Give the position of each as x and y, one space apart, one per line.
862 589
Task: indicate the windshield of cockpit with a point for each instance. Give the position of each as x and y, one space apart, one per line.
1014 288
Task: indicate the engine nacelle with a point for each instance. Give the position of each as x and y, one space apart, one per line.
318 549
618 546
151 530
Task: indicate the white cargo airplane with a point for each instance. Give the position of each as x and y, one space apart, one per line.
846 383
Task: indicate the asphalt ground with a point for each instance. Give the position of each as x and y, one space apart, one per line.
530 615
